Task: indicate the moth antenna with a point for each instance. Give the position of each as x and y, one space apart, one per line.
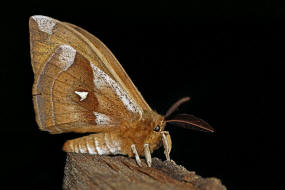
190 122
176 105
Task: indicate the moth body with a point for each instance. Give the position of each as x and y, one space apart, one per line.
79 86
138 133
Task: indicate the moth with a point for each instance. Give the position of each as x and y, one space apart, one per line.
79 86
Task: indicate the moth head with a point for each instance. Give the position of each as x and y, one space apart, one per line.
154 124
159 136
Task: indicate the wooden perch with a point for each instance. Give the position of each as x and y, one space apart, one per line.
83 171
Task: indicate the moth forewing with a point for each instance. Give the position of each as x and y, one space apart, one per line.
91 66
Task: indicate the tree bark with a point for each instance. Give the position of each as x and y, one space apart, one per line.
85 172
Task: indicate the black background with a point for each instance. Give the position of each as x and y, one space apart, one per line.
227 56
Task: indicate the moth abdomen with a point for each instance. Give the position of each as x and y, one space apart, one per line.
97 144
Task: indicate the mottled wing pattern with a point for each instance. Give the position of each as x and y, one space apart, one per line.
77 87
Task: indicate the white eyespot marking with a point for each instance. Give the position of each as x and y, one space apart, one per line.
66 56
102 119
45 24
102 80
82 95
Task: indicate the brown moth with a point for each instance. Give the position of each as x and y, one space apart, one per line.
79 86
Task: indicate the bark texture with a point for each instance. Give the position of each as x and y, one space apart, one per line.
85 172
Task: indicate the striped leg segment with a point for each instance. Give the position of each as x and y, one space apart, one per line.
166 144
147 155
133 147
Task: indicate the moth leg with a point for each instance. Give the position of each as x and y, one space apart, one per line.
147 155
166 143
138 160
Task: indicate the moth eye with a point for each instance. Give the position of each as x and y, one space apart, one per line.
157 128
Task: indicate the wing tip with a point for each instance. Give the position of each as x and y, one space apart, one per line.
36 17
45 23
